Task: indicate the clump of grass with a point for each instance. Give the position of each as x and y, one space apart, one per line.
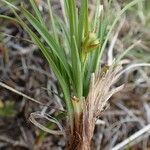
73 48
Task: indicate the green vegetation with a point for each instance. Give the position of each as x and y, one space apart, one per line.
7 109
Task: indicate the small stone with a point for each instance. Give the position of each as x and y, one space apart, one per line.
61 142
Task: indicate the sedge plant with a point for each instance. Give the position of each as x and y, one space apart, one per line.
73 46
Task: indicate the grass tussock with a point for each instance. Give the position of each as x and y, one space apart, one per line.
73 47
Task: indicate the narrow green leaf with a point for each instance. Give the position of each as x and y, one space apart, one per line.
81 27
37 12
77 71
72 18
9 18
52 20
9 4
128 6
49 40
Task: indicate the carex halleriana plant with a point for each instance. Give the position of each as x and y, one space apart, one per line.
73 46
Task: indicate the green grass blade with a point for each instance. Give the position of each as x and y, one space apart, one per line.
128 6
81 26
101 50
77 71
49 40
86 24
37 12
9 18
74 51
9 4
52 20
72 14
124 53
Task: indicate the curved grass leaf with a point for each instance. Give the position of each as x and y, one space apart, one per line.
101 50
37 12
48 39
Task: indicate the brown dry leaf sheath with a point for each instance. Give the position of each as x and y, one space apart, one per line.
99 92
